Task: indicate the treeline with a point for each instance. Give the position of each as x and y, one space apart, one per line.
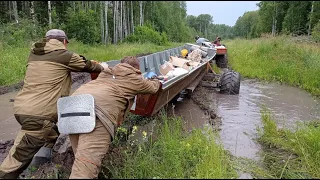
280 17
99 21
158 22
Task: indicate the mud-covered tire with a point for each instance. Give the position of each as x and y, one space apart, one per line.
230 83
222 61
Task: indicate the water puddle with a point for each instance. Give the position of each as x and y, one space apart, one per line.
240 114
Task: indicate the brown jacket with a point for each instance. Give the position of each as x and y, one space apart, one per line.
114 91
48 78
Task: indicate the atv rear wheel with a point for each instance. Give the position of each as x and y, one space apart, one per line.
230 83
222 61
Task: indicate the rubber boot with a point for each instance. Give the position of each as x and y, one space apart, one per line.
43 156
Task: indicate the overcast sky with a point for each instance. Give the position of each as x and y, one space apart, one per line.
223 12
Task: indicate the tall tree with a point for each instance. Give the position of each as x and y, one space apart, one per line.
32 13
15 11
49 14
132 23
115 22
106 37
141 13
310 18
102 22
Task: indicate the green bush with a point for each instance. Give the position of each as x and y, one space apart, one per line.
14 34
316 32
144 34
83 26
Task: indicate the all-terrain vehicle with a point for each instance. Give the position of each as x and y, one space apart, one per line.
229 82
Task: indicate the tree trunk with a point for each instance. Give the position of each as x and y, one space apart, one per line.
49 12
128 20
120 22
132 23
102 22
115 22
15 11
32 13
33 16
310 20
106 21
140 3
10 11
273 32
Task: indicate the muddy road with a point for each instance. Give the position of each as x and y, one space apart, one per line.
236 116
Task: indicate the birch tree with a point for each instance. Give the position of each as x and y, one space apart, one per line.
132 23
49 13
106 21
32 13
115 22
102 22
310 20
140 3
120 22
15 11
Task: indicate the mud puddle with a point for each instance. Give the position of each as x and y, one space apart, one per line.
240 114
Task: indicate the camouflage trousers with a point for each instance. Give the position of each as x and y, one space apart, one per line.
34 134
89 150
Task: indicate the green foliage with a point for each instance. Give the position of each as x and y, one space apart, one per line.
291 154
296 18
279 59
84 26
20 34
143 34
316 32
246 25
175 154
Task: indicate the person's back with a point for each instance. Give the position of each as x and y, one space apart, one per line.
113 91
47 78
117 88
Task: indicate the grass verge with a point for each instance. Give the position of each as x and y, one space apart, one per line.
174 154
290 154
14 58
277 58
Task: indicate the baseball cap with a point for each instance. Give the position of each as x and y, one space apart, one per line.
57 33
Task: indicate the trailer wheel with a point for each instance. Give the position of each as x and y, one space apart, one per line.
230 83
222 61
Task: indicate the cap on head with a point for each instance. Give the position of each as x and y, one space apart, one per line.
56 34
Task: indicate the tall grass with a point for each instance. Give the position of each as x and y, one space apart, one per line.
277 58
291 154
14 58
175 154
